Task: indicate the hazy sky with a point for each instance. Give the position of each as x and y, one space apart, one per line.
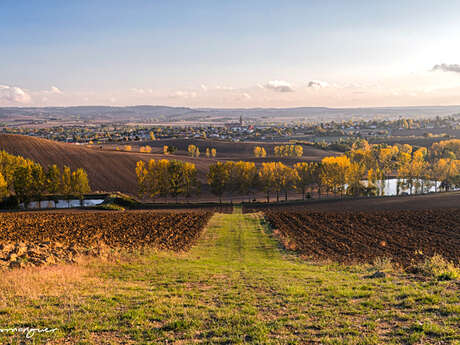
230 53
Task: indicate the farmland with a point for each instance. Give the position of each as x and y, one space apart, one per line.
235 286
26 237
405 237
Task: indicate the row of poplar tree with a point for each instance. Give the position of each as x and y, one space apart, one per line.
28 180
416 169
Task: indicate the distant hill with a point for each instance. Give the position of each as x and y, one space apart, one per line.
143 112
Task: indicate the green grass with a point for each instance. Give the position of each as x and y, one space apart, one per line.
236 286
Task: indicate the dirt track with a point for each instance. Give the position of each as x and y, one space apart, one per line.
407 236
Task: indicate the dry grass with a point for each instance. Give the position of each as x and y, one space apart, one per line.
59 280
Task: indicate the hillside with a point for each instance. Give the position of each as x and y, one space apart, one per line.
107 170
111 170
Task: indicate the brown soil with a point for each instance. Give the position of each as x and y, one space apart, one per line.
427 201
47 237
406 237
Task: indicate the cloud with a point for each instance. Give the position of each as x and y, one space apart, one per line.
447 68
14 94
184 94
317 84
55 90
204 87
141 91
279 86
225 88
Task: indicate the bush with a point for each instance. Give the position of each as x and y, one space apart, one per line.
440 268
122 200
109 207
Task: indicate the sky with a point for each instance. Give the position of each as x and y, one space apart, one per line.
226 54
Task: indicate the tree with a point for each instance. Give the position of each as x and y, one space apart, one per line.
141 175
145 149
213 152
192 184
232 184
38 186
66 183
53 179
304 178
260 152
246 176
354 176
446 171
176 178
22 183
165 150
217 179
286 177
152 136
3 187
160 178
192 150
334 172
127 148
80 184
263 153
208 152
267 178
298 151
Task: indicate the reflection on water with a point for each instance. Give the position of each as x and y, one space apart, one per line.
61 203
395 186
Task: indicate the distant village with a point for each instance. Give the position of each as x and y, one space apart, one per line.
247 130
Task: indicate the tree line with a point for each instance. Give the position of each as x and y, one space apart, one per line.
163 178
27 180
415 169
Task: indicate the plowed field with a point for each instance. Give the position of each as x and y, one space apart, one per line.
358 237
173 231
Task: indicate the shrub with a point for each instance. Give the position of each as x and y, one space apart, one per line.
111 207
439 268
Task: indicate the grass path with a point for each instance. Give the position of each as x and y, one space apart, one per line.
236 286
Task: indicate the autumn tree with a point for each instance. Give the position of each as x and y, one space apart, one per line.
267 178
217 179
38 186
23 182
334 172
176 178
3 187
304 177
66 183
213 152
53 179
191 183
259 152
79 183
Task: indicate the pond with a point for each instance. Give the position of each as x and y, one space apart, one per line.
62 203
390 186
